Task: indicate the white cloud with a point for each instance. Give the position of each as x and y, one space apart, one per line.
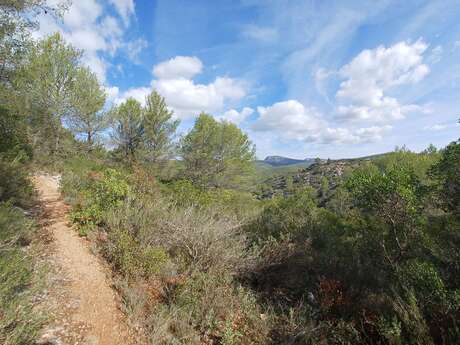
125 9
138 94
112 93
235 116
263 34
87 27
96 64
174 82
82 14
178 67
135 47
371 74
291 120
185 97
110 29
88 40
322 74
353 136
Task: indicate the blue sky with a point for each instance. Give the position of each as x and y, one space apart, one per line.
303 78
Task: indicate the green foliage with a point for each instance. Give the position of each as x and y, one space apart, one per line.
425 282
104 193
130 257
128 128
420 164
15 186
216 153
286 217
380 260
87 99
188 254
447 175
45 85
13 136
373 189
185 194
19 323
159 128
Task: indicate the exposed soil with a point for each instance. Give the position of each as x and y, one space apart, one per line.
84 306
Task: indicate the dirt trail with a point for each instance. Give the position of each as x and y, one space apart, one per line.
87 306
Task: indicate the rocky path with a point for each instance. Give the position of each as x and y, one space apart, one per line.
84 306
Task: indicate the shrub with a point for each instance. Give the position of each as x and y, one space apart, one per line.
132 258
15 185
103 193
199 239
285 217
184 193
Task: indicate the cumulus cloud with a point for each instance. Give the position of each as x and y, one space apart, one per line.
291 120
371 74
178 67
185 97
138 93
235 116
82 13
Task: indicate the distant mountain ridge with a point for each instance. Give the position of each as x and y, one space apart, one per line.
280 160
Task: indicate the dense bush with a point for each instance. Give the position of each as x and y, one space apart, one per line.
106 191
178 249
375 263
378 265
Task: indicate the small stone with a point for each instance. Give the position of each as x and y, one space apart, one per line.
49 339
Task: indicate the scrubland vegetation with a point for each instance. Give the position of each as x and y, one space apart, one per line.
372 258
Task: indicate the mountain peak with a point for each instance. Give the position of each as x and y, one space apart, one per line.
280 160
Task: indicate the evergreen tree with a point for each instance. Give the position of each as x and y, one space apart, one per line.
87 100
216 153
46 84
128 128
159 128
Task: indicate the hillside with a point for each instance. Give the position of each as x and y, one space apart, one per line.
284 180
276 165
277 161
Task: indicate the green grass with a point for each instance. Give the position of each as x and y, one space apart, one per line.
19 323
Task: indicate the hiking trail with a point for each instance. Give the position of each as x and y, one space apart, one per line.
85 307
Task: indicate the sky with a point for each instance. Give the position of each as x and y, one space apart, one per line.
317 78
